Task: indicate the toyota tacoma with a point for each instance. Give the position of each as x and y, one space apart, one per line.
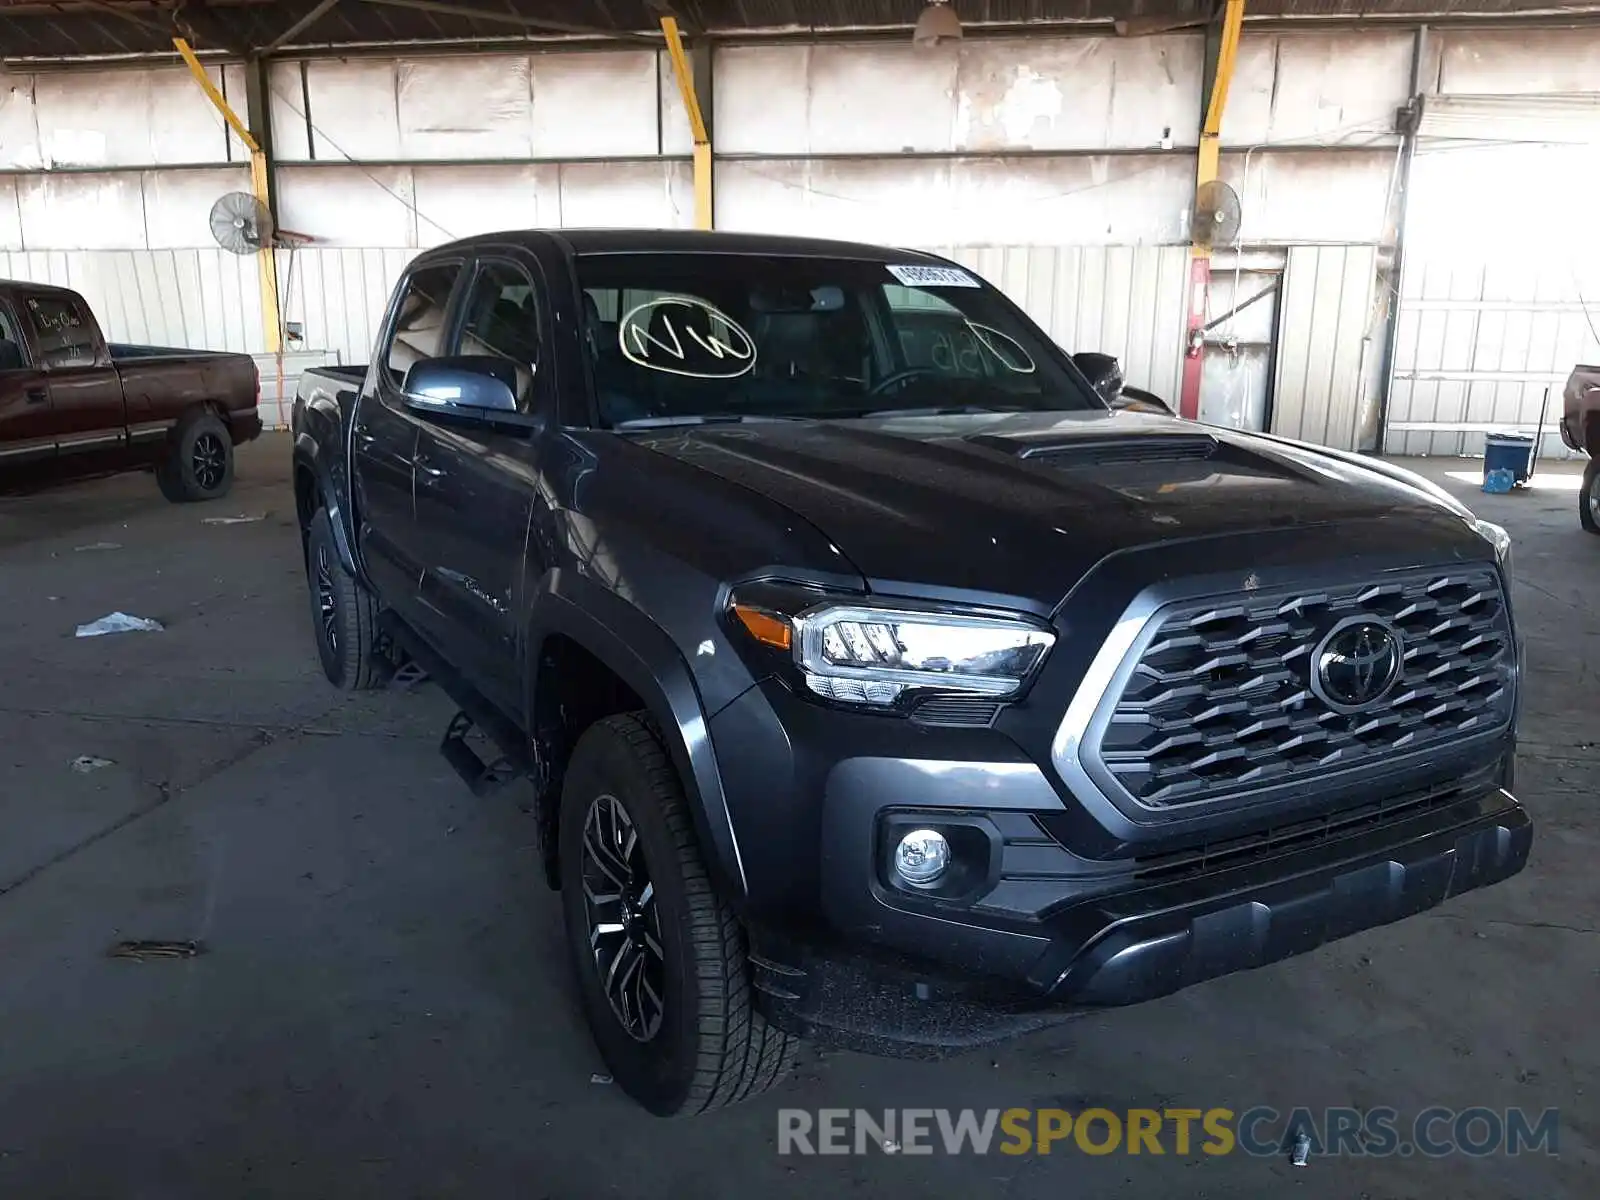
879 679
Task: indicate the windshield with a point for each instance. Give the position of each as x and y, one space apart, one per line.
683 337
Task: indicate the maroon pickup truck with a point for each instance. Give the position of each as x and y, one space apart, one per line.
1580 429
73 405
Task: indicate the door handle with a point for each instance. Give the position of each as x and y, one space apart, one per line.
37 396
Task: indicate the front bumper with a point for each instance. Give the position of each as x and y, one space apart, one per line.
1125 947
1058 914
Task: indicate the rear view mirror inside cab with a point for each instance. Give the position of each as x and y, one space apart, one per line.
770 298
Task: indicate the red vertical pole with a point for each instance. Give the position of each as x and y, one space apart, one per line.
1194 341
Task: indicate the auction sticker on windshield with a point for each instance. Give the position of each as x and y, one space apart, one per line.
919 275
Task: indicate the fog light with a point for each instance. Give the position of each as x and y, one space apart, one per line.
922 857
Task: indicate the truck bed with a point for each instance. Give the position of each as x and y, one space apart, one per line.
343 373
125 351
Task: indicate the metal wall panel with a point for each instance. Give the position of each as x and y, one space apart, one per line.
1325 332
1121 300
1488 324
1312 196
1087 199
338 296
1081 93
1481 342
123 117
207 299
1328 88
1517 62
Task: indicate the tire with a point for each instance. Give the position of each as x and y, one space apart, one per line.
1589 497
709 1047
344 619
199 460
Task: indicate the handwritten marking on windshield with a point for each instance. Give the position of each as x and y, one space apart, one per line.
1008 351
662 335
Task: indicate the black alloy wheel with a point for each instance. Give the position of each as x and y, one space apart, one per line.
327 598
208 461
624 923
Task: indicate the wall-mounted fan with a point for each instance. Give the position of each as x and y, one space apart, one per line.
1216 215
241 223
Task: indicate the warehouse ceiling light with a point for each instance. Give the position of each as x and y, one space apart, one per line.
938 25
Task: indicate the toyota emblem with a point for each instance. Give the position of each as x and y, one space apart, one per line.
1357 664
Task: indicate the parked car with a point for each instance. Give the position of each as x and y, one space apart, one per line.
1580 429
74 406
877 682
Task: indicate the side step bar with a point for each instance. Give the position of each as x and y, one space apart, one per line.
515 759
481 777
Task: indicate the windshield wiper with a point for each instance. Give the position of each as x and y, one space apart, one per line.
701 419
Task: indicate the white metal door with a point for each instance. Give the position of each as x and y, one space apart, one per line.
1501 290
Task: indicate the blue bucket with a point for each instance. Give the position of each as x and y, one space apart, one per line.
1507 460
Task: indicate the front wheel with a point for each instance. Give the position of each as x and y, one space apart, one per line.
660 958
1589 497
199 461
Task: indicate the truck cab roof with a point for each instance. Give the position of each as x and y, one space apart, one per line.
688 241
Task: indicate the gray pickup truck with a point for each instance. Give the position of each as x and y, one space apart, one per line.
878 679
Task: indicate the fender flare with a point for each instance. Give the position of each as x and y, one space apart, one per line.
307 455
645 658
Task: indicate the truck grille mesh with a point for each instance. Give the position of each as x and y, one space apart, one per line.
1221 700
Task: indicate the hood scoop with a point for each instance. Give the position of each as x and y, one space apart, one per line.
1080 452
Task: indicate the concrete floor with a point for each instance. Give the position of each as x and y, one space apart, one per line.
384 1009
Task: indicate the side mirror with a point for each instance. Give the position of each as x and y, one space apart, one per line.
467 385
1103 372
1138 400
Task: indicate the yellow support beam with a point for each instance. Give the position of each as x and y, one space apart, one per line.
266 260
703 216
210 89
1217 102
1207 161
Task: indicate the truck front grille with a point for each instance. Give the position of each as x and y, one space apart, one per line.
1222 698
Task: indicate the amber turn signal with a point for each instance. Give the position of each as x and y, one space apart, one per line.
765 627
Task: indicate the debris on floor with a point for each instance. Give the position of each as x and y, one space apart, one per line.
599 1078
97 546
85 763
1301 1154
141 951
239 520
119 622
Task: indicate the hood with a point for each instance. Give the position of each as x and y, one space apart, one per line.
1014 509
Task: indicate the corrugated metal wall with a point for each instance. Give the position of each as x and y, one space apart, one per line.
1329 328
208 299
1481 343
1501 295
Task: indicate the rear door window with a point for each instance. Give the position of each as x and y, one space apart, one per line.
63 331
12 355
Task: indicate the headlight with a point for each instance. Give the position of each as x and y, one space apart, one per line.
874 655
1497 537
